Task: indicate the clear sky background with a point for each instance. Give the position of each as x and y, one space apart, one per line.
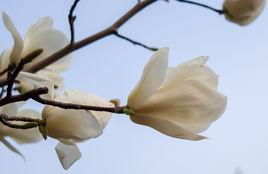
111 67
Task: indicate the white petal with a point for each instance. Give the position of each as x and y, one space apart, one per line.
25 136
53 76
76 125
166 127
11 147
29 81
50 41
152 77
5 59
44 23
86 98
67 154
18 43
193 104
10 109
193 69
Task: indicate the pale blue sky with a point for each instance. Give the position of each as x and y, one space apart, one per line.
111 67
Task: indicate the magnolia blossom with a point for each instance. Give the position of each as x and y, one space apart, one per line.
243 12
18 135
71 126
179 102
40 35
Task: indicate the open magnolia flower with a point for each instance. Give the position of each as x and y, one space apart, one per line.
40 35
70 126
243 12
179 102
18 135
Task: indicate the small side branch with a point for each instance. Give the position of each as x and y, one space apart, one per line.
13 75
30 122
24 96
71 19
220 12
135 42
118 110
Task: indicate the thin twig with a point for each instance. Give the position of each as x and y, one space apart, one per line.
71 19
118 110
31 123
220 12
24 96
135 42
12 77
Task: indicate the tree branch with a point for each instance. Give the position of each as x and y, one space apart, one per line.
135 42
118 110
31 122
71 19
220 12
24 96
27 59
89 40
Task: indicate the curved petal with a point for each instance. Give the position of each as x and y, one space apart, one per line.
10 109
29 81
4 59
166 127
193 104
42 24
152 77
11 147
25 136
76 125
53 76
86 98
50 41
18 43
67 154
193 69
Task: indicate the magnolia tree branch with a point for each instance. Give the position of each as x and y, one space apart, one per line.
117 110
13 75
89 40
71 19
35 94
30 122
135 42
219 11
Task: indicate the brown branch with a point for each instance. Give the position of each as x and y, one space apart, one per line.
219 11
118 110
71 19
24 96
135 42
12 77
89 40
31 122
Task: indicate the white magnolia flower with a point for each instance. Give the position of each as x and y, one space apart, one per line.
40 35
180 102
243 12
71 126
18 135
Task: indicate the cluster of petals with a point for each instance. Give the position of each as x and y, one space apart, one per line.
72 126
40 35
243 12
179 102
